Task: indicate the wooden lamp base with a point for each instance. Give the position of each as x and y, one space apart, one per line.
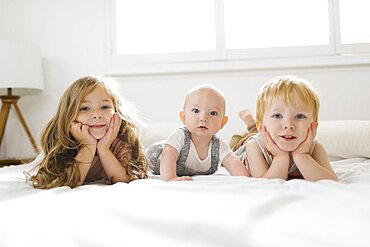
8 101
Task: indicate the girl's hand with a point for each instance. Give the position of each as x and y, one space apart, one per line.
81 133
304 147
270 144
182 178
111 133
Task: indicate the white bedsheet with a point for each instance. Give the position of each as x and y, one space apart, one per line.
214 210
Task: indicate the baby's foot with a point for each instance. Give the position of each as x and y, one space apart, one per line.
246 116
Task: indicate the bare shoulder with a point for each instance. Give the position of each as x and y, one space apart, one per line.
319 149
320 155
254 152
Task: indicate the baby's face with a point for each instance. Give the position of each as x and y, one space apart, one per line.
288 124
204 112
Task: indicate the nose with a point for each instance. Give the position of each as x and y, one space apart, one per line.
97 115
203 118
288 125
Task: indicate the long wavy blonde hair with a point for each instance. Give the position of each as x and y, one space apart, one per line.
58 167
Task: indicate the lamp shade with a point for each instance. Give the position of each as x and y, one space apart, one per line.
20 68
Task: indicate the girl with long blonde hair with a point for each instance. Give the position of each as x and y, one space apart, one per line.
93 138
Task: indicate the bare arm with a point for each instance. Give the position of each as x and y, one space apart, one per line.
235 166
168 165
111 165
259 167
86 154
315 167
84 159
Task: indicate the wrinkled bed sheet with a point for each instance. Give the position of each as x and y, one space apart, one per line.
214 210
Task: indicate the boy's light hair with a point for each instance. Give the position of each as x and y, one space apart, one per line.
283 87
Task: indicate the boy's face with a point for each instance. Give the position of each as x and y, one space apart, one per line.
203 113
96 111
287 124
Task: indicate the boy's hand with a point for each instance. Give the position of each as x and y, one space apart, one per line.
111 133
270 144
81 133
304 147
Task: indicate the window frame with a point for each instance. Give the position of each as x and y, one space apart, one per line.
333 54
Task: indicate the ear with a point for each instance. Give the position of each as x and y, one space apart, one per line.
224 121
258 125
182 116
316 124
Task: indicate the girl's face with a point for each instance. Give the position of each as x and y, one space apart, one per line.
96 111
287 124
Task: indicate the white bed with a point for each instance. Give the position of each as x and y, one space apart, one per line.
214 210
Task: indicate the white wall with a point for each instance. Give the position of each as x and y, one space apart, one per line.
72 37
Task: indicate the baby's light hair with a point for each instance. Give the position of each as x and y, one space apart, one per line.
284 87
206 88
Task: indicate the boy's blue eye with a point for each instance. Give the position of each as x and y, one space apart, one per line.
277 116
213 113
195 110
300 116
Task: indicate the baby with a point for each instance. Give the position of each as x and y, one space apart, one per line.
194 149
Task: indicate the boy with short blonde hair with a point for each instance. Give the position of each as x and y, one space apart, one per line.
286 121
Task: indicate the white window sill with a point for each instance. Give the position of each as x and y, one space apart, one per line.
250 65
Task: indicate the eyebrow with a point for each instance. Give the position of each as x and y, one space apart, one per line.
104 100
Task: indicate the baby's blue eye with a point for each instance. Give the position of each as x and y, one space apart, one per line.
195 110
214 113
277 115
300 116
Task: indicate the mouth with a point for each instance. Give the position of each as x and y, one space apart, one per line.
288 137
202 127
97 126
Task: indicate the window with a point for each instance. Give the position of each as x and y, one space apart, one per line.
354 21
153 32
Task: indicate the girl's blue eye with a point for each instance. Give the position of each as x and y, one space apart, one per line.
213 113
300 116
195 110
105 107
277 116
84 108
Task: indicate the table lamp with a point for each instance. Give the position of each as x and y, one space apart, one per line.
20 74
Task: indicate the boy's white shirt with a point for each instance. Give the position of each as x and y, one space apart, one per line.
193 162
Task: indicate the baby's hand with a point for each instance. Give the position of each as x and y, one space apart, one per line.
183 178
111 133
81 133
270 144
304 147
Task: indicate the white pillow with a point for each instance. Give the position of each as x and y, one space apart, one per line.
155 132
345 139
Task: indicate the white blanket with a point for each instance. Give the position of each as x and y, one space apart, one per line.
214 210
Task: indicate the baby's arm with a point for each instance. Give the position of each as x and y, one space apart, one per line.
168 165
235 166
